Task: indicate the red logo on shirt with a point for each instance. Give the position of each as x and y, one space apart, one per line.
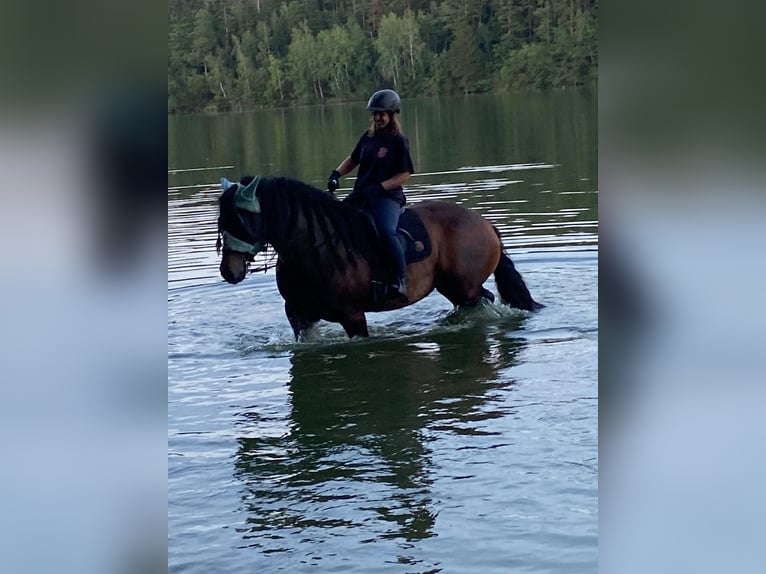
382 152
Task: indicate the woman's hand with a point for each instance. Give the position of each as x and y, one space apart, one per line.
373 190
359 197
356 199
333 182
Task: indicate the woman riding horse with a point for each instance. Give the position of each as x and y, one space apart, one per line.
328 254
383 157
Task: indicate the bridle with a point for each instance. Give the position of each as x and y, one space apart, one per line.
244 199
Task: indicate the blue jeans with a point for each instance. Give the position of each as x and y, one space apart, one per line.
385 212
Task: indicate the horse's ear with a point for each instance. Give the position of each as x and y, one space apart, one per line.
225 184
246 180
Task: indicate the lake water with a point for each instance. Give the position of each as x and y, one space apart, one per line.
449 441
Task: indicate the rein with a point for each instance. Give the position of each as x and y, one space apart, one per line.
266 266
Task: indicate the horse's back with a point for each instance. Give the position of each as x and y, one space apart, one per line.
452 223
466 249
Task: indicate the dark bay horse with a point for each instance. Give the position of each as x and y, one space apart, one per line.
328 253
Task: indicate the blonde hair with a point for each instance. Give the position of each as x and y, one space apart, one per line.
393 126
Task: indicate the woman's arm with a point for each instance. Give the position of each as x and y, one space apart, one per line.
396 180
346 166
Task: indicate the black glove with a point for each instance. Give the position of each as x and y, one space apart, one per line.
361 196
356 199
333 181
373 190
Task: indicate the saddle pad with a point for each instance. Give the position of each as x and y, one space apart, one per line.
419 247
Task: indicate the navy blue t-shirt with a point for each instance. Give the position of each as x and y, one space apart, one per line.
379 157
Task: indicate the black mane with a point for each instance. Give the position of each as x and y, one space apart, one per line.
284 200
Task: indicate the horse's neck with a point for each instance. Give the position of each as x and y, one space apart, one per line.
305 230
288 224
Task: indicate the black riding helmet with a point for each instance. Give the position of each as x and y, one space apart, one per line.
384 101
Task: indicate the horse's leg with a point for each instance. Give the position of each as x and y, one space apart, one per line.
462 301
459 294
466 252
299 322
355 324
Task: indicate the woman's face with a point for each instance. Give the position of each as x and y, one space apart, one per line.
380 119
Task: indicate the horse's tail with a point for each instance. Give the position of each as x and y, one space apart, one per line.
513 291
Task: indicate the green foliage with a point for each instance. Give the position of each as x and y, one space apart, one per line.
241 54
302 64
336 48
464 57
530 65
396 37
275 90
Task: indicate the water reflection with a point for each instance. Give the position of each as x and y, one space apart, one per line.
356 458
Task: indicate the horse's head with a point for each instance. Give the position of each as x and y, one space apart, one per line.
240 226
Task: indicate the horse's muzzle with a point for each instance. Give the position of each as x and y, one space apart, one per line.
229 277
233 269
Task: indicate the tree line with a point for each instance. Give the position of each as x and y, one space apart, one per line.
242 54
